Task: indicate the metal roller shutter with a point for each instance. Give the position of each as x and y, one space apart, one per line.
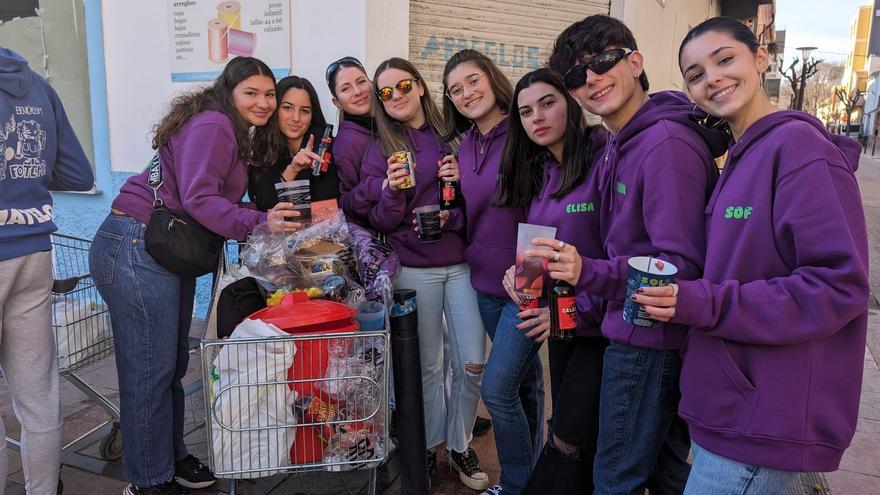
516 34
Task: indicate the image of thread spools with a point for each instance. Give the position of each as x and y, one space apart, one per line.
225 36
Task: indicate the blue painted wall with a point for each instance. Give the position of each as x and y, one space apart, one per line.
80 215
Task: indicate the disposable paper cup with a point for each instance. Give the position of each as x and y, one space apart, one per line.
644 271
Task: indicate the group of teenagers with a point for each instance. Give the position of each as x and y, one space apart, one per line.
756 365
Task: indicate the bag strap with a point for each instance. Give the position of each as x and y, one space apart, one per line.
154 179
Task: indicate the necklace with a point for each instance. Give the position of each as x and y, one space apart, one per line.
486 139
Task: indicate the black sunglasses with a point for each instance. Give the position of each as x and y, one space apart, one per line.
599 64
332 68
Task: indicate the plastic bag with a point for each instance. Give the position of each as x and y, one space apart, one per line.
82 329
252 421
377 264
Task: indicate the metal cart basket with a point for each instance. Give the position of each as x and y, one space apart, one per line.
297 402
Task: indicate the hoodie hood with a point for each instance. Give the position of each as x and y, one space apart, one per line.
676 107
15 77
849 148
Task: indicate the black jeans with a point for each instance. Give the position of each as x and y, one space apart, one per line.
575 383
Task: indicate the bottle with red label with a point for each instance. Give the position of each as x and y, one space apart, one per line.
320 166
447 195
563 311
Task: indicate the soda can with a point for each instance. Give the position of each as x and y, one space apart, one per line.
406 158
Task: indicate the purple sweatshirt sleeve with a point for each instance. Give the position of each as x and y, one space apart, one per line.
389 209
202 161
673 203
828 286
455 222
364 193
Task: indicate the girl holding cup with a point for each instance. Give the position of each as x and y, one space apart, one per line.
408 121
762 328
548 167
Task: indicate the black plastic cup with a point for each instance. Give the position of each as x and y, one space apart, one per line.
428 220
298 193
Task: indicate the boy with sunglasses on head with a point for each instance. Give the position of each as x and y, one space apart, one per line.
655 172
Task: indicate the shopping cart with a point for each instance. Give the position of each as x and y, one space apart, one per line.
81 324
296 403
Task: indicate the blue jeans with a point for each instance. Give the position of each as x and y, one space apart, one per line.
513 391
713 474
446 291
642 441
151 310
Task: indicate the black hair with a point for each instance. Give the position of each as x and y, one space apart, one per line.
522 162
296 82
730 26
456 123
591 35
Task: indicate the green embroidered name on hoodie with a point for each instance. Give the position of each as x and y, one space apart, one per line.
621 188
738 212
579 207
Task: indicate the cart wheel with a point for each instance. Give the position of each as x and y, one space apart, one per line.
111 445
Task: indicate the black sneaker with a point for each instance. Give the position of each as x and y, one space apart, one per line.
493 490
469 471
167 488
482 426
191 473
431 462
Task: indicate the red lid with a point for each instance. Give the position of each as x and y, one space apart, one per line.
298 314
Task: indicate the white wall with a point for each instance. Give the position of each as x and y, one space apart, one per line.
659 26
136 51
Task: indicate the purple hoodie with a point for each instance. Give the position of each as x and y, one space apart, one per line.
576 218
349 147
773 363
393 214
491 231
655 177
203 176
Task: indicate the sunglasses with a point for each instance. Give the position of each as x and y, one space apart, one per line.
599 64
335 66
404 86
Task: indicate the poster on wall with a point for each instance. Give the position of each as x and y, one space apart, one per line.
205 34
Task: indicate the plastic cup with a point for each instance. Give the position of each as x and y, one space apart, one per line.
644 271
371 316
428 220
298 193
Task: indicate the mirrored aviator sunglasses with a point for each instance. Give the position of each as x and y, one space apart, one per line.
599 64
404 86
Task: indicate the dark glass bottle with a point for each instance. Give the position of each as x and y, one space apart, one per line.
320 166
448 195
563 311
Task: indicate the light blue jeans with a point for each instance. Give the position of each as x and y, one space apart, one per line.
713 474
447 291
151 309
513 391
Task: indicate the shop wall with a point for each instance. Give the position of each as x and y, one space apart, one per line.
659 26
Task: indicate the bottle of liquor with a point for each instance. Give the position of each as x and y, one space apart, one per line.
447 195
320 166
563 311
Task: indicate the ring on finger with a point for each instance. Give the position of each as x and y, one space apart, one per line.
561 244
556 256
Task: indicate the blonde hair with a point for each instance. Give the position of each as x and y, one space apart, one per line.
392 133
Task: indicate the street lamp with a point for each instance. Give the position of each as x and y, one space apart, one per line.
799 84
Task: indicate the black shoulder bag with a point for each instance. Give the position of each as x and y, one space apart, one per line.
176 240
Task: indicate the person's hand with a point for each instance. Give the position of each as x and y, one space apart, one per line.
536 323
301 161
564 261
278 217
448 171
397 174
658 302
508 282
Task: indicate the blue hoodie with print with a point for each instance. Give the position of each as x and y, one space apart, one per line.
39 152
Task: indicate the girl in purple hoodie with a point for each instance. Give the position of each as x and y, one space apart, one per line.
352 95
408 120
772 369
548 165
477 99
